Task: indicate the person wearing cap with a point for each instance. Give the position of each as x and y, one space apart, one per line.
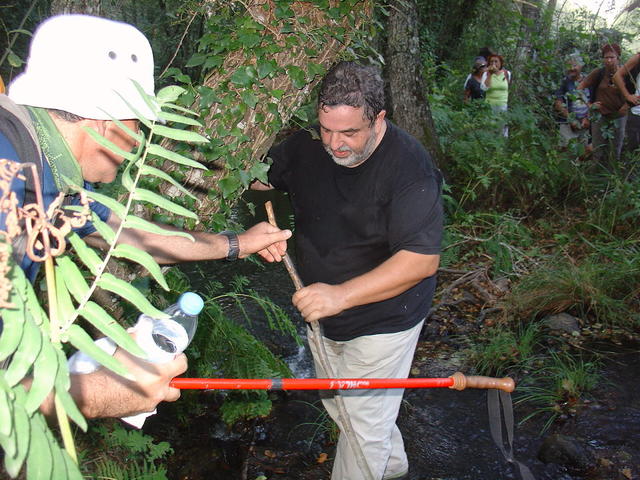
627 79
571 105
79 75
473 86
608 106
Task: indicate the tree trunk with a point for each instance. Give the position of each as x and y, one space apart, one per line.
257 123
531 14
407 102
88 7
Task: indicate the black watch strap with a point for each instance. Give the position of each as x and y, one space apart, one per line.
234 245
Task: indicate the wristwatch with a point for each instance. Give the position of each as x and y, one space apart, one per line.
234 244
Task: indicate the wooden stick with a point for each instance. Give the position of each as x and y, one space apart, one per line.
323 359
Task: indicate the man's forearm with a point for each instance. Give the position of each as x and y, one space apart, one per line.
394 276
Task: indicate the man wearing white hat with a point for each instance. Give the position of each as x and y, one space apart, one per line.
79 74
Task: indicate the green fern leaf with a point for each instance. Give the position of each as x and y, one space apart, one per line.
149 170
100 319
82 341
174 157
143 258
179 135
130 293
160 201
87 255
44 376
141 224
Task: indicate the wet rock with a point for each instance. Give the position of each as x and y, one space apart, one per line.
566 451
563 322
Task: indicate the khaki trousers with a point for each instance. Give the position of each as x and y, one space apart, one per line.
373 412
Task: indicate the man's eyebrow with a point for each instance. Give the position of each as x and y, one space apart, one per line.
348 130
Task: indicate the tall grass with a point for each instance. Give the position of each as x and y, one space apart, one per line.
560 387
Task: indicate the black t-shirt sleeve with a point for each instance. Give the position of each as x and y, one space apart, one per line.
415 222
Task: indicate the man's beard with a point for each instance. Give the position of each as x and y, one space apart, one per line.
356 158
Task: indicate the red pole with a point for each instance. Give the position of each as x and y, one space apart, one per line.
456 381
308 383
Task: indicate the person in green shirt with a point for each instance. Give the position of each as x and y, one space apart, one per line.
497 86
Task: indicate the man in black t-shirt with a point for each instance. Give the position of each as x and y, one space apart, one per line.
368 215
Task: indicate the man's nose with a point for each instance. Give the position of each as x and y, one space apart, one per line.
335 141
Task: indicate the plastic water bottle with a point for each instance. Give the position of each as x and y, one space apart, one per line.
160 338
164 338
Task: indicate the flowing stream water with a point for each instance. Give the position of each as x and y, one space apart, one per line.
446 432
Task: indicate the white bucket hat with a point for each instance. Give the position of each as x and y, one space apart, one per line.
85 65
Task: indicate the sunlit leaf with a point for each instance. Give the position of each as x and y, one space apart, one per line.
163 202
141 224
174 157
108 144
44 376
113 205
22 432
169 94
180 108
39 458
143 258
138 136
149 170
88 256
129 293
66 309
104 322
180 135
173 117
104 229
6 426
25 355
83 342
62 384
12 331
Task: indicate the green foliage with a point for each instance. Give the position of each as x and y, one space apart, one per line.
559 386
249 75
322 426
488 170
503 237
226 349
125 454
604 286
500 349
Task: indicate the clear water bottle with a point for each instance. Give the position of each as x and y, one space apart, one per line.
164 338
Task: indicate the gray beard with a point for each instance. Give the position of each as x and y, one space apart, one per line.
355 159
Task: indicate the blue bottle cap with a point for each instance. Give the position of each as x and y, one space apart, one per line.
190 303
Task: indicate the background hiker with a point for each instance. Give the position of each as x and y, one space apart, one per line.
497 82
609 109
627 79
571 105
368 214
473 87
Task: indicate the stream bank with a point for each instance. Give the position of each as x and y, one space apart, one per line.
446 432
